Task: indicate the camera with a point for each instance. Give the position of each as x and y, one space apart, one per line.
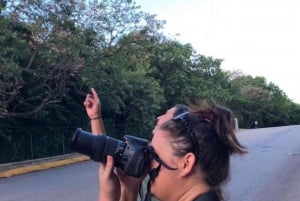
131 155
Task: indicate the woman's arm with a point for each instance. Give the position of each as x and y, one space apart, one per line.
124 187
92 106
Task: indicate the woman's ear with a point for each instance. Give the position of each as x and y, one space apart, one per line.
187 164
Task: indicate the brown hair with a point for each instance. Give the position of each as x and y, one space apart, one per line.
213 127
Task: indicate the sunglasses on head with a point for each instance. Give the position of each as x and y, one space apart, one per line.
158 159
183 117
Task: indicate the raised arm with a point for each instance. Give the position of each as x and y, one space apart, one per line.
92 106
127 187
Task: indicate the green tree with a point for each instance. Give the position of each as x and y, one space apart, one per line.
253 99
38 62
185 75
131 97
45 46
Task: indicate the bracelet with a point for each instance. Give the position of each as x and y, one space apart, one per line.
97 117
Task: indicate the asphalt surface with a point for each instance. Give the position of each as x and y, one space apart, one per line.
23 167
270 171
74 182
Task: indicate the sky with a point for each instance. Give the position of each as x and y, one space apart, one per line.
257 37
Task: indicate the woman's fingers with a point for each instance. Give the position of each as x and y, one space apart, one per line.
109 168
95 94
109 182
106 170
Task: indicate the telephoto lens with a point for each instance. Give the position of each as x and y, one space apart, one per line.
131 155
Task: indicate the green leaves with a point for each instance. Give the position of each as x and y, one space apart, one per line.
256 100
52 52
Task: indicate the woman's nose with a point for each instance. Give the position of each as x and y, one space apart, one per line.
158 117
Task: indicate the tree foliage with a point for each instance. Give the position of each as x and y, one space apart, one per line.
38 63
52 52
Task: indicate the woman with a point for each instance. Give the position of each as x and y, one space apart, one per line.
191 155
129 186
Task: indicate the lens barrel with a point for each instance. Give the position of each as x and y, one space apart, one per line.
131 156
96 146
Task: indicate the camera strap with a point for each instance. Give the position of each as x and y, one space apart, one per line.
152 175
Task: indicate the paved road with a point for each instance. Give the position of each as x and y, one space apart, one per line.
269 172
76 182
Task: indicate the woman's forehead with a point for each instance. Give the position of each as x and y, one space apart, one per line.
171 110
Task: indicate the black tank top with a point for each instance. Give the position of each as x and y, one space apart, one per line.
209 196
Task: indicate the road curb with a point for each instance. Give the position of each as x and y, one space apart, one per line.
41 166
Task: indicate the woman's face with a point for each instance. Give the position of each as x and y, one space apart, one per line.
164 184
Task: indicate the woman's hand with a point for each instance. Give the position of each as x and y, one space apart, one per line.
92 104
129 186
117 187
128 181
109 182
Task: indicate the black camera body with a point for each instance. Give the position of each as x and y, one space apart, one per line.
131 155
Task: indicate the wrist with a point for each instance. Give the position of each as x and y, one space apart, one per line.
130 190
129 195
95 117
